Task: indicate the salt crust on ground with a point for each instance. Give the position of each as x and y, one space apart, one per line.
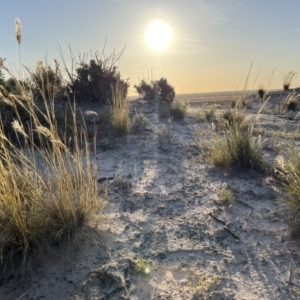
161 201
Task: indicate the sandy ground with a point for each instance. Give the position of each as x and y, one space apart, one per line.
165 210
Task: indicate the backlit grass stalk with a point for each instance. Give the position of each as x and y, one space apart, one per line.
119 111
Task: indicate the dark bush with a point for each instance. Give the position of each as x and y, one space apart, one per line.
95 81
165 91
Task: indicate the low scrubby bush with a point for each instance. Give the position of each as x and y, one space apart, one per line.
161 89
139 123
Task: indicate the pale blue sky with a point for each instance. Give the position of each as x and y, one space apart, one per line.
214 41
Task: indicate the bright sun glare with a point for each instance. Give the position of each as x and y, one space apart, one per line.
158 35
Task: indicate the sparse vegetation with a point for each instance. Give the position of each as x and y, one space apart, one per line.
289 171
139 122
119 111
237 148
261 92
290 102
206 115
225 194
165 92
50 203
144 266
288 79
178 111
231 117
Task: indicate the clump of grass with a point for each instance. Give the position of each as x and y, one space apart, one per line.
163 133
225 194
119 112
231 117
178 111
139 123
237 148
48 193
202 286
290 102
261 92
208 115
238 103
288 79
289 171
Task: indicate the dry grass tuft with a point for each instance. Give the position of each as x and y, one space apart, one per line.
119 112
237 148
288 79
178 111
48 193
290 102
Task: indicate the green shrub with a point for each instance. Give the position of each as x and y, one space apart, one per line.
178 111
237 148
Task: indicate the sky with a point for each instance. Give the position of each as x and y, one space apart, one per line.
213 44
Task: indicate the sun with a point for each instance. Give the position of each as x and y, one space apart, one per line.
158 35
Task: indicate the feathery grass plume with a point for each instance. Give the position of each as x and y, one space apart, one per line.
291 102
288 79
18 29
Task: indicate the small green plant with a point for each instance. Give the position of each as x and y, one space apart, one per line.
261 92
237 148
225 194
288 79
143 266
204 284
178 111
